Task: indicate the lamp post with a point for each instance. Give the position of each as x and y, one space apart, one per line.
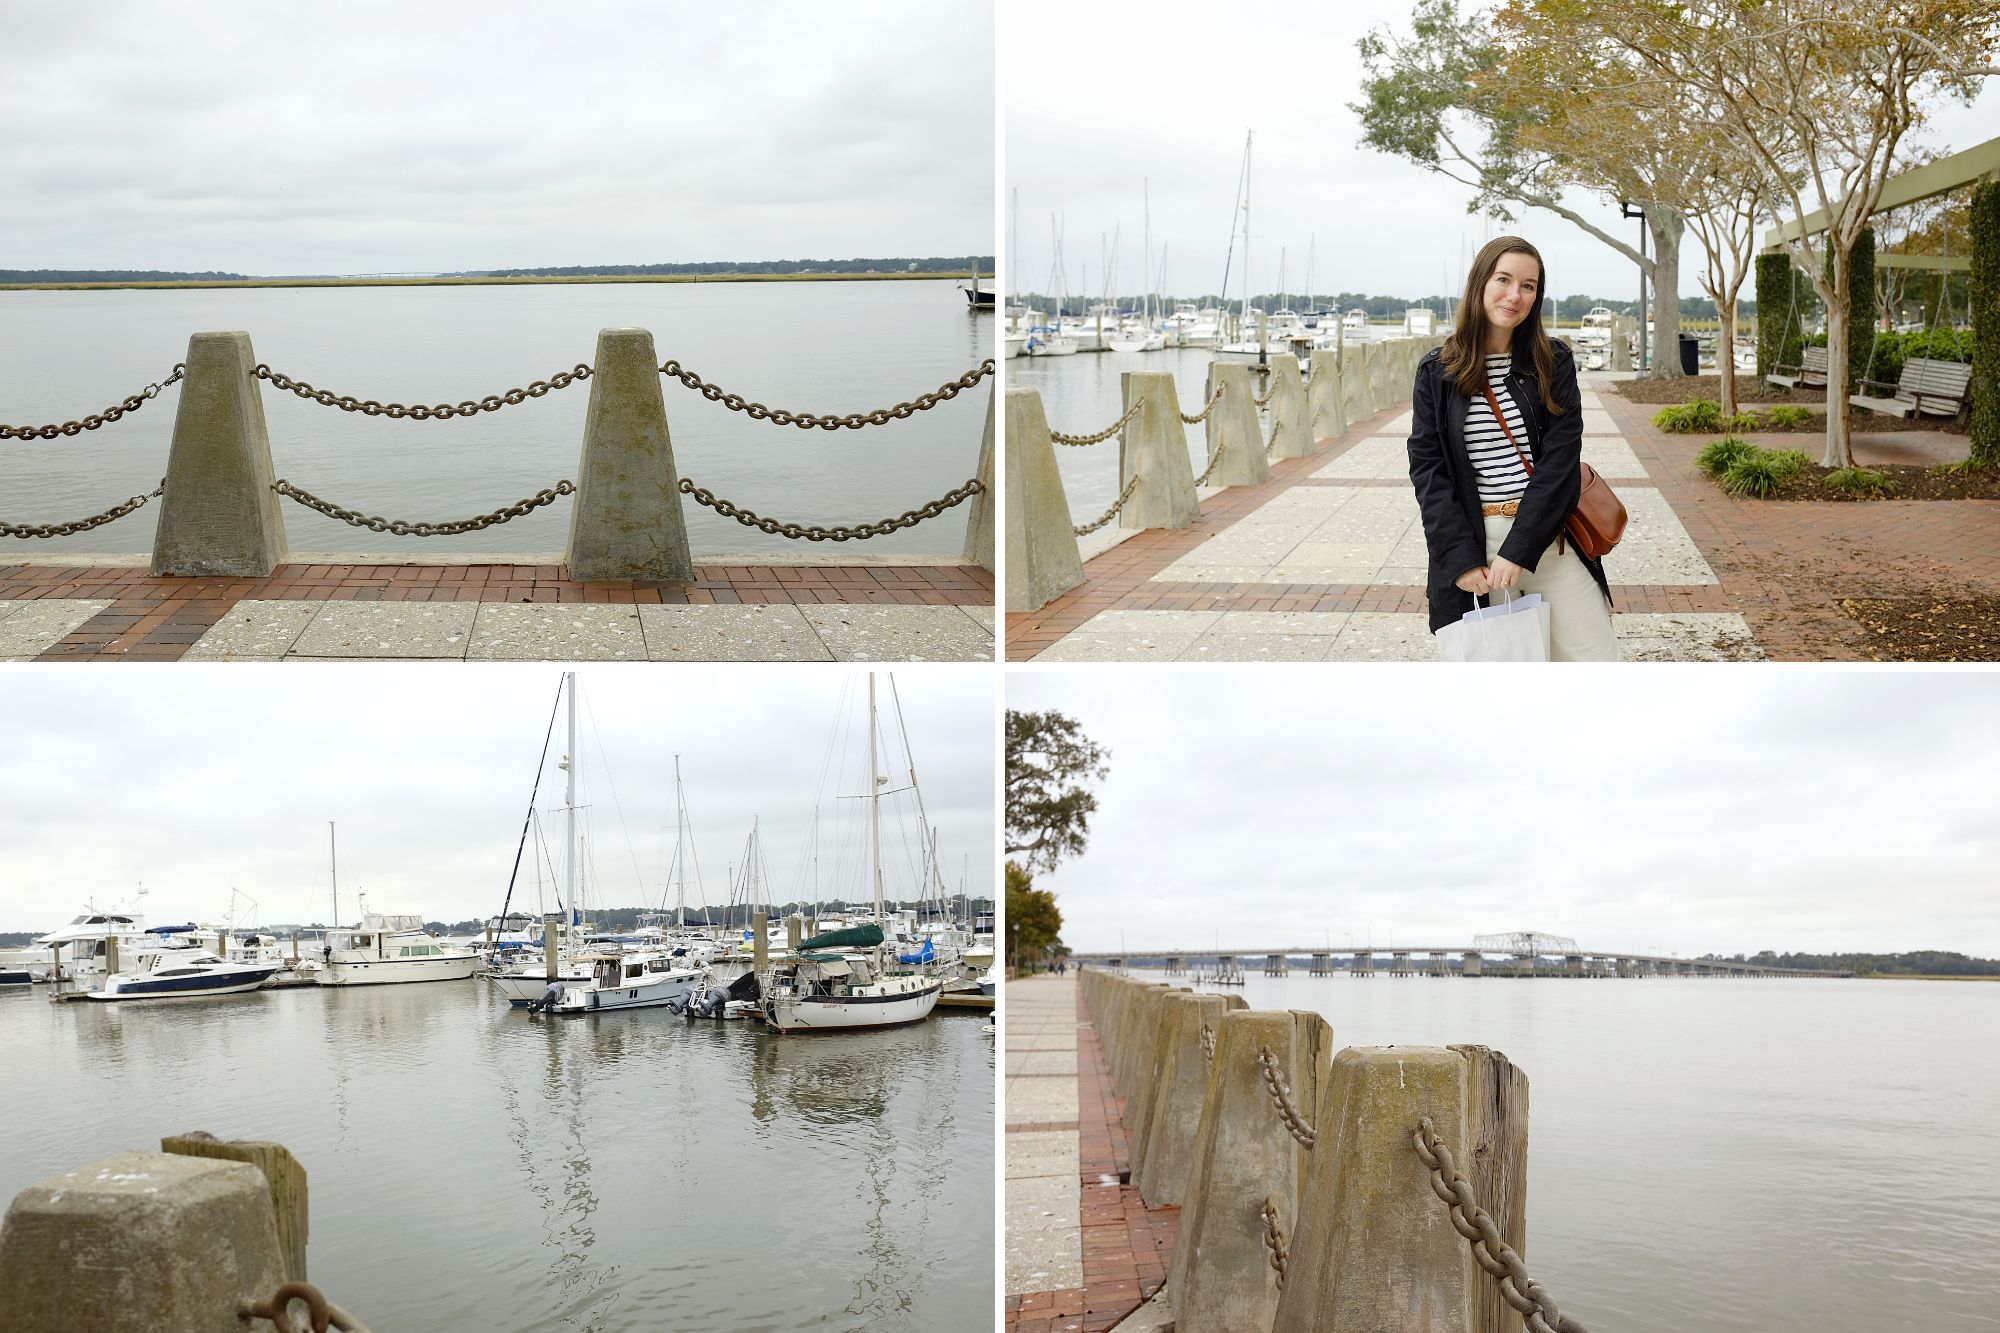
1640 214
1017 946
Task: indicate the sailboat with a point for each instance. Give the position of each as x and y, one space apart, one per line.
845 979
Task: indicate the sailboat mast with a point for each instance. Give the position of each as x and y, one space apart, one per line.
874 803
1249 140
1146 268
569 799
333 857
680 854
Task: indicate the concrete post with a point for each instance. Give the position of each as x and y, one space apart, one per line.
140 1241
1156 1022
283 1175
219 514
1375 1248
626 521
1475 963
979 523
1233 427
1153 447
1175 1114
1243 1155
549 921
1042 559
1378 376
1326 417
1355 403
1291 430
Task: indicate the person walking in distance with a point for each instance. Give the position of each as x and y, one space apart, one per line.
1496 444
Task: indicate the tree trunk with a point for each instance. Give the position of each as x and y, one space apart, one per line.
1666 226
1725 355
1839 446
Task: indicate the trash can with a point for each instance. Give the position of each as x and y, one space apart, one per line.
1690 354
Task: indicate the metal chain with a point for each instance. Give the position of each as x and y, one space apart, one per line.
1281 1097
1202 416
1208 1043
881 416
1274 1239
1102 435
321 1314
95 419
1261 402
1112 512
1202 480
909 518
562 379
448 528
74 526
1494 1254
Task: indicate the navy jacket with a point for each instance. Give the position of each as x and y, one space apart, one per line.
1448 490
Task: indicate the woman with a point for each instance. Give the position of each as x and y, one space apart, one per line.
1491 523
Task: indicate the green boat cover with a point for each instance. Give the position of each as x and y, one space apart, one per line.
854 937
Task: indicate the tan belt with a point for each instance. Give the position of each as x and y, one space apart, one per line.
1500 510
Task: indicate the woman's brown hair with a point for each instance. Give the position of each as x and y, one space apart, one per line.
1463 356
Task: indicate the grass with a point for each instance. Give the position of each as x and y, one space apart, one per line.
1715 459
1743 421
1964 467
1761 473
1786 417
1701 416
1861 480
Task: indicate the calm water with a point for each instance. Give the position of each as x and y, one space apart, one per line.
1751 1155
808 346
476 1167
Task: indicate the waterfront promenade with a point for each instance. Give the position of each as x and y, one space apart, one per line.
349 609
1083 1251
1325 562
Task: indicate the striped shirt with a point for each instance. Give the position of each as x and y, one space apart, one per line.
1501 476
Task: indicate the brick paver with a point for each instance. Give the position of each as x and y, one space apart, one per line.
158 618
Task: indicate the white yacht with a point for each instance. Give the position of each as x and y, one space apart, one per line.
621 981
390 949
1419 322
1596 330
184 972
1354 325
82 948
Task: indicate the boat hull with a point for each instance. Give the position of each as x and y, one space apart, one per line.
524 988
397 971
182 988
842 1013
646 996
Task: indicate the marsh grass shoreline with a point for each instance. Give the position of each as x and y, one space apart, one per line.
188 284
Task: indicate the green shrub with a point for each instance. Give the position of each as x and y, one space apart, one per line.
1702 416
1861 480
1788 417
1939 344
1714 459
1888 367
1760 473
1743 421
1788 462
1964 467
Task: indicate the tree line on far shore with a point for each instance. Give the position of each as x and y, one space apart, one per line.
712 268
1922 962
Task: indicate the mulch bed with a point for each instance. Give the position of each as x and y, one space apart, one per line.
1912 483
1751 397
1928 629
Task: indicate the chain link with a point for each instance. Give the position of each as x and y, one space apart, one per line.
1112 512
95 419
1208 472
1202 415
1494 1254
1265 400
909 518
75 526
321 1314
1281 1097
1208 1043
881 416
1274 1239
562 379
448 528
1104 434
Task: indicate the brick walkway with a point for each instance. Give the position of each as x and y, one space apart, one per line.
1325 561
1083 1250
498 612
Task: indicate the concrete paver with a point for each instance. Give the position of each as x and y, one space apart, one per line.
28 628
900 634
550 631
254 631
410 629
767 633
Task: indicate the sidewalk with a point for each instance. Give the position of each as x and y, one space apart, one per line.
1083 1251
498 612
1326 562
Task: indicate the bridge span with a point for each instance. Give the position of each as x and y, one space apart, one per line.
1474 960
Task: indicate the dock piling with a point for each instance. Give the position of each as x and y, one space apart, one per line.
282 1174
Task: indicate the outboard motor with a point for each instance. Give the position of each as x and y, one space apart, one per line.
550 997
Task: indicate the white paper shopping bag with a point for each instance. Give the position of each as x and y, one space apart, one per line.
1514 631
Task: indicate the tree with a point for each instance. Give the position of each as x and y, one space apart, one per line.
1455 78
1034 922
1048 808
1812 91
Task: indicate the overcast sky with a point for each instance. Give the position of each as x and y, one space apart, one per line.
1654 810
1167 95
197 780
371 137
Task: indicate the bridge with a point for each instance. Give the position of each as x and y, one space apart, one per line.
1512 954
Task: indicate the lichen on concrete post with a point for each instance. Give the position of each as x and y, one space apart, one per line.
1375 1247
219 514
979 523
139 1242
1153 448
1042 559
1291 431
1162 1173
626 522
1233 427
1326 416
1243 1155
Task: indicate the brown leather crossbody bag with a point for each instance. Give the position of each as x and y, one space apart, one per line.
1598 521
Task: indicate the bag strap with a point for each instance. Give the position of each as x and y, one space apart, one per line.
1501 417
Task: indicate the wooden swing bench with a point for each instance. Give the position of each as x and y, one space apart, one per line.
1925 388
1811 375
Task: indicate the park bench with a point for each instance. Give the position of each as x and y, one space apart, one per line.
1812 375
1926 387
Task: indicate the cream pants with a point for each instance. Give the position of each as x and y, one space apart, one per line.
1579 621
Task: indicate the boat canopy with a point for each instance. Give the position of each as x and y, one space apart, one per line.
392 921
854 937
